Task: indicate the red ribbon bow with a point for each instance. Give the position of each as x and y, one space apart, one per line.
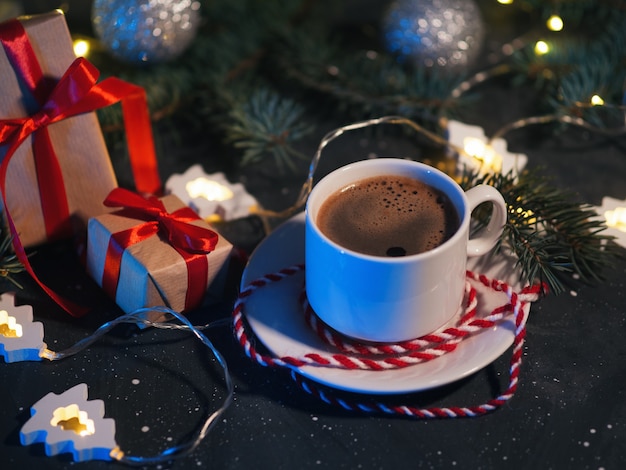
75 93
192 242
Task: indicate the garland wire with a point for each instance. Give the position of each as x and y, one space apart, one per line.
307 186
136 317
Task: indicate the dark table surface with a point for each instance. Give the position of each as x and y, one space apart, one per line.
569 410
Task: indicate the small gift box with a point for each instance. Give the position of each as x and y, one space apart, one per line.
56 169
154 252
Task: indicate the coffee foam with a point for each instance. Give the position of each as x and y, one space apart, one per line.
388 216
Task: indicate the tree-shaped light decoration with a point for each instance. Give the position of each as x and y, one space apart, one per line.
481 154
613 212
212 196
21 339
70 423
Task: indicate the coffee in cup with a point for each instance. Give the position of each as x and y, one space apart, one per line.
388 215
355 284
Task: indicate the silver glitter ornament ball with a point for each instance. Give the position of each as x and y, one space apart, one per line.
434 33
146 31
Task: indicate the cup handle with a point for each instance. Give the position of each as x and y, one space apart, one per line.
486 239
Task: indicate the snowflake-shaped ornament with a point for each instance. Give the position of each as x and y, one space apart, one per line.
70 423
21 339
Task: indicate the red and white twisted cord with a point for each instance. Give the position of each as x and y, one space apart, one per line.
517 302
412 352
347 345
237 315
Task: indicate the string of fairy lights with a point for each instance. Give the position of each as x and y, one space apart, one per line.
487 151
484 150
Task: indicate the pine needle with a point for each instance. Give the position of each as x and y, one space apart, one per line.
9 264
551 235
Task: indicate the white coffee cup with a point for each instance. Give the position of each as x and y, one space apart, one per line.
391 299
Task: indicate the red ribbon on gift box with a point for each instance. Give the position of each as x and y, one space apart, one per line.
192 242
76 93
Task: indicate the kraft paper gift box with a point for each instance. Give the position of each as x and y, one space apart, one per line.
151 272
50 193
78 142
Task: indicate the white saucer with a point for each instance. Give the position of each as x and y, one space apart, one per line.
276 318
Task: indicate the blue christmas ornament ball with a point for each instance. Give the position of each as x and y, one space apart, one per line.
434 33
146 31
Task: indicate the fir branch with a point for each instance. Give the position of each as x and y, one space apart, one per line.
295 48
267 124
550 234
9 264
368 83
576 12
594 38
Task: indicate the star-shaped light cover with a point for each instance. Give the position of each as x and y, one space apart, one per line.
613 213
487 157
21 339
70 423
212 196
